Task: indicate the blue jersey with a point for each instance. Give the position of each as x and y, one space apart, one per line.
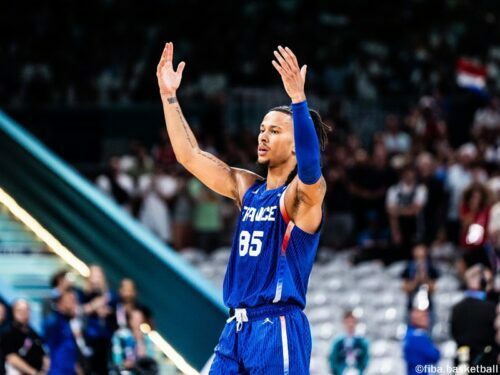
271 258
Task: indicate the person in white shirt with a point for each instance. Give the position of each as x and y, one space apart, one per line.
156 190
116 184
395 141
404 204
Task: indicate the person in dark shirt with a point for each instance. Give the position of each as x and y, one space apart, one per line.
473 319
99 305
434 211
21 346
419 272
61 335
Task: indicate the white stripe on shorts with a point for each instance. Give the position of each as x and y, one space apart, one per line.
284 344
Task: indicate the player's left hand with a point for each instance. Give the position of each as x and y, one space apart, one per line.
292 75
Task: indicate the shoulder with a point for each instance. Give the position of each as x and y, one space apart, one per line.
244 179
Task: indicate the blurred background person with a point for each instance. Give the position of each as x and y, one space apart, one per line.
405 202
350 352
474 216
157 190
132 348
21 346
117 184
99 304
472 321
420 275
59 282
61 336
207 215
418 347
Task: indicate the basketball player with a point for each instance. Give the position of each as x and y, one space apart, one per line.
278 229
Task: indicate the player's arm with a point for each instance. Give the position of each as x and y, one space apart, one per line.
211 171
305 194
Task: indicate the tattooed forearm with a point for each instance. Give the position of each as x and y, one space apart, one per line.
172 100
187 131
212 158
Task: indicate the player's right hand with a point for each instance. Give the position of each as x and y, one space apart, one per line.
168 79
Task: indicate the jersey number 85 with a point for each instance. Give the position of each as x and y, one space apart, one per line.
250 243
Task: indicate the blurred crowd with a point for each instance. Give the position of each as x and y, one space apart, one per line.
91 330
408 185
106 51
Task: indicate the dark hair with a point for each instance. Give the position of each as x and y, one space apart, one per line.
321 128
56 279
349 314
483 190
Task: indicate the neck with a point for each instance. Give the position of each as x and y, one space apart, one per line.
277 175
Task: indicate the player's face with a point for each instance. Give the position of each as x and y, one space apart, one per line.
275 139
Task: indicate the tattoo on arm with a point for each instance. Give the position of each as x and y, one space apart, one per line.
172 100
185 126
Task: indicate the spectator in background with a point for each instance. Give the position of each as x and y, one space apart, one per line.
163 153
472 319
395 140
474 216
61 336
59 283
182 217
419 274
132 348
369 181
350 353
418 348
127 302
339 225
21 346
458 178
4 316
99 306
207 215
487 120
157 190
434 211
405 202
117 184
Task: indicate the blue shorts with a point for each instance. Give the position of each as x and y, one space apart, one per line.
276 340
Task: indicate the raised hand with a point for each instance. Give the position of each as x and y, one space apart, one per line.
168 79
292 75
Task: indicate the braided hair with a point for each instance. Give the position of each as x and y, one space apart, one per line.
321 128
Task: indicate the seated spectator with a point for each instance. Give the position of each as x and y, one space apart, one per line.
99 305
350 352
395 140
157 190
21 347
117 184
62 336
418 348
472 321
405 202
132 348
419 272
474 216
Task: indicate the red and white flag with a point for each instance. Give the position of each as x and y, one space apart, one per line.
471 74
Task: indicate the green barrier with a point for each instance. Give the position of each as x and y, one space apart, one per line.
188 312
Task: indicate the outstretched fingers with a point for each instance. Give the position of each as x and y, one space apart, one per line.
278 68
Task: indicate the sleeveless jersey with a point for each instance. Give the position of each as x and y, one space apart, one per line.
271 258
